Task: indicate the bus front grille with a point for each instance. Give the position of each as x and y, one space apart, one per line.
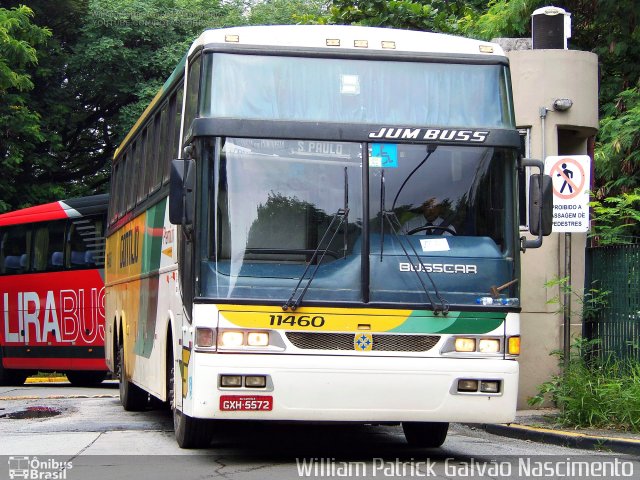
346 341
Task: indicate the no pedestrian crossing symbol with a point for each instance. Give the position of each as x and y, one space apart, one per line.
570 175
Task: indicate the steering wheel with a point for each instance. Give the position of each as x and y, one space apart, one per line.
432 227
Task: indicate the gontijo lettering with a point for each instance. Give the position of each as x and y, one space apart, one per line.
129 247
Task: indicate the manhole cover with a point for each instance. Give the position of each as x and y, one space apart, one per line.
32 412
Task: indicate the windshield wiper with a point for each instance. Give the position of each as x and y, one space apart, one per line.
444 304
383 208
430 150
343 215
390 216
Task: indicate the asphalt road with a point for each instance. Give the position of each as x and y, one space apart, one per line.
83 433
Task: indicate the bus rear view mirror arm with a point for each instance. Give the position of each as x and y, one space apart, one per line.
540 204
182 192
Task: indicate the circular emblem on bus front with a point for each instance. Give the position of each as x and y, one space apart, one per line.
363 342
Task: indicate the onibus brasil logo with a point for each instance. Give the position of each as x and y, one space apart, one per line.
36 469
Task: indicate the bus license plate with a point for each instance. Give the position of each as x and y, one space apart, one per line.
244 403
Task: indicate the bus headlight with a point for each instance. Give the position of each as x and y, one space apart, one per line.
258 339
231 339
234 339
489 345
463 344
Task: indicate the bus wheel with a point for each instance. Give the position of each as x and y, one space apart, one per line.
132 397
190 432
86 378
425 434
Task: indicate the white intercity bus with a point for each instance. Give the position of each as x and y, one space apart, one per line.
338 239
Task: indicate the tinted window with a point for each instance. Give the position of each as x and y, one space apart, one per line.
48 246
15 250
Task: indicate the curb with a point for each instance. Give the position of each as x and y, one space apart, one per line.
47 380
564 438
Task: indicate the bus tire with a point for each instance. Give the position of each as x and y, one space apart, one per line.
190 432
86 378
425 434
132 397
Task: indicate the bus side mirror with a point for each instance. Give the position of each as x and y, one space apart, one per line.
182 192
540 205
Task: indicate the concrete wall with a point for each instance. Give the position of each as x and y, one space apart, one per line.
539 77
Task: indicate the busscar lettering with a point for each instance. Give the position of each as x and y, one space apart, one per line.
433 134
448 268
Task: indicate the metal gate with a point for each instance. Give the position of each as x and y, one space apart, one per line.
615 269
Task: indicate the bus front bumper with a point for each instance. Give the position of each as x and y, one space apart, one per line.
351 389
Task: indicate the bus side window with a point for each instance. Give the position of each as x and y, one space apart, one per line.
158 156
16 250
163 141
178 122
49 246
191 104
3 236
85 244
40 248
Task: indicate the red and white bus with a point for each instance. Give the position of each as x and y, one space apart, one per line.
52 291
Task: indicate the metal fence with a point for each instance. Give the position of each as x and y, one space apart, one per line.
615 269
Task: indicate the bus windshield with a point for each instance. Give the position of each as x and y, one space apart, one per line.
355 91
290 211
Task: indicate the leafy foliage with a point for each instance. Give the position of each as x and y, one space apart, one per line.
19 123
102 65
591 303
618 218
618 152
435 15
594 392
284 12
503 18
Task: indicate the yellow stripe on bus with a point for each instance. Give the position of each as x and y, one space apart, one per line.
328 319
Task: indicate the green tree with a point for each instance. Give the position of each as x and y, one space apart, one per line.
19 124
429 15
618 147
104 63
285 12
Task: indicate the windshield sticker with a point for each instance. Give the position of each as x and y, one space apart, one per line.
434 245
383 155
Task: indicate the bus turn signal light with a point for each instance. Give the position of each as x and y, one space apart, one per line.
514 345
205 337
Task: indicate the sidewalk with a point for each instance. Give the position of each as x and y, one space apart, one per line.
539 426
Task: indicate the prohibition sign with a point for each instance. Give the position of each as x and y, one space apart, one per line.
561 169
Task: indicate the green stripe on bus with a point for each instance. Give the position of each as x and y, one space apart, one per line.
421 321
152 244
